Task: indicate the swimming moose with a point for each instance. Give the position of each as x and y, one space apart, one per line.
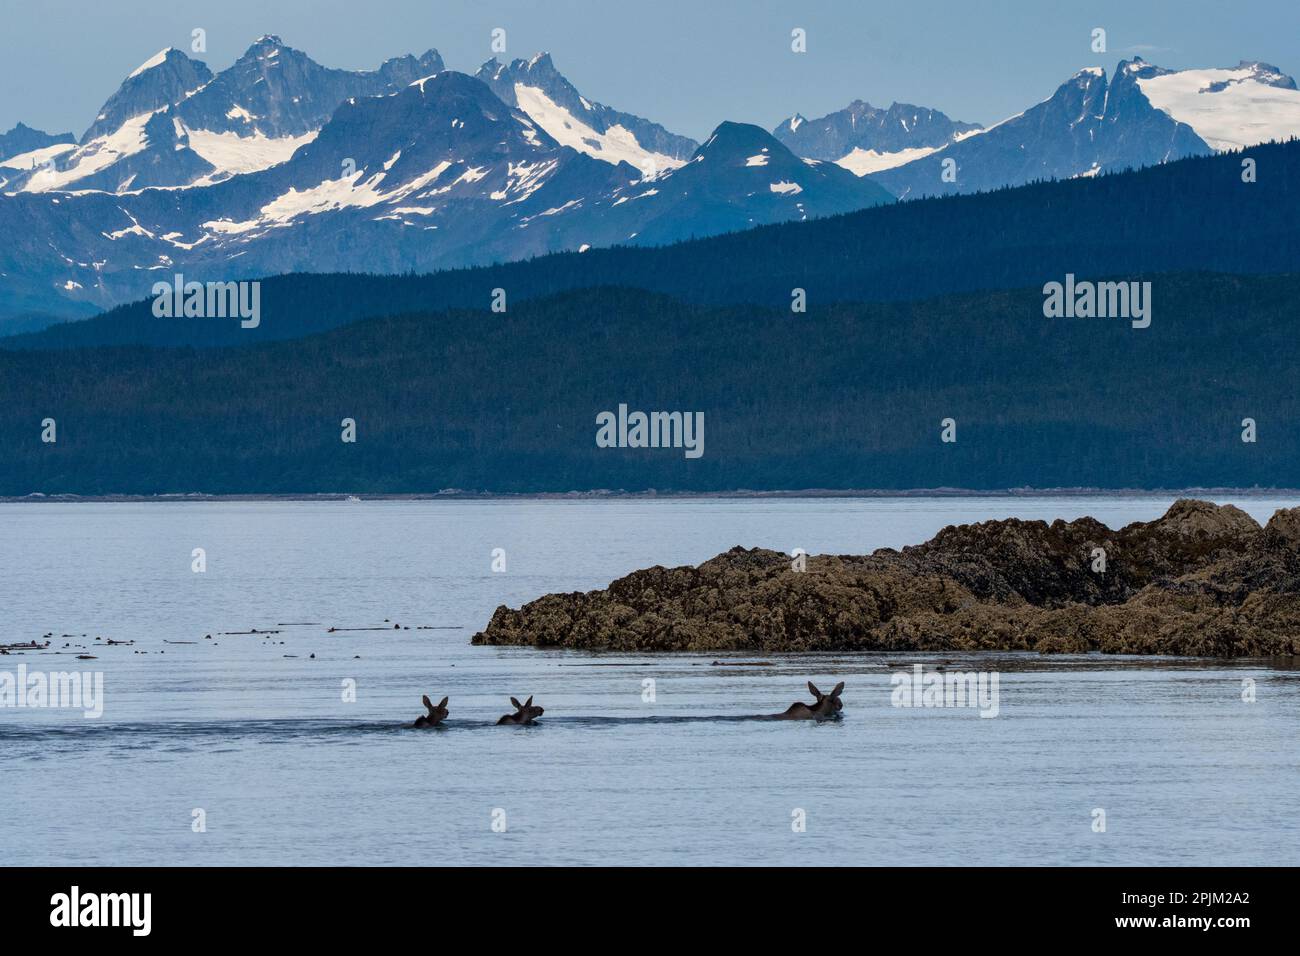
827 707
824 707
436 714
524 713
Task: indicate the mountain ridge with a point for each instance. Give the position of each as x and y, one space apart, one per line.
1193 215
404 182
212 182
586 125
1094 124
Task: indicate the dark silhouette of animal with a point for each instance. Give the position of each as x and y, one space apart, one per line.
436 714
524 713
827 707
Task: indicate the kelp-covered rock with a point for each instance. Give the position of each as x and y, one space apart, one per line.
1202 580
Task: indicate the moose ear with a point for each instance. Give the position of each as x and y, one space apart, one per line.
517 705
839 688
425 698
529 701
443 703
815 692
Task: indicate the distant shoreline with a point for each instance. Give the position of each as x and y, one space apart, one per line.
743 494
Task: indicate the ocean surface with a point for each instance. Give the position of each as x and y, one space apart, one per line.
292 745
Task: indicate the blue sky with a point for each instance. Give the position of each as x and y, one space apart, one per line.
688 65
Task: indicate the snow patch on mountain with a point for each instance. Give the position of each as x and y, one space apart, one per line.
158 59
615 145
861 161
331 194
233 154
135 229
522 180
37 157
334 194
90 158
1231 108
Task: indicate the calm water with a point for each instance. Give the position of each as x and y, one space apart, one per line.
255 732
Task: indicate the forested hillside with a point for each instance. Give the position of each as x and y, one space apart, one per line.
848 396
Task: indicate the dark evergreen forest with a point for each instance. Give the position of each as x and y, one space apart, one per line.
845 396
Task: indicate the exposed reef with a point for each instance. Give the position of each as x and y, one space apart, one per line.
1203 580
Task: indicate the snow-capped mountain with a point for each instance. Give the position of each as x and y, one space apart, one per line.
864 139
174 123
1248 104
23 150
440 174
279 164
1140 116
540 90
276 91
739 178
22 139
165 78
130 139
